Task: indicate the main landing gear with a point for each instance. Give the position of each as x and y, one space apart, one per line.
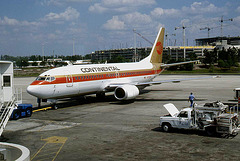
100 95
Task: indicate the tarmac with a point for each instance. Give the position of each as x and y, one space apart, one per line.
92 129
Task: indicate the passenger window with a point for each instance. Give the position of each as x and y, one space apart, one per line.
183 114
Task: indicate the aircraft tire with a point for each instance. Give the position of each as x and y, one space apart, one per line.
54 107
100 95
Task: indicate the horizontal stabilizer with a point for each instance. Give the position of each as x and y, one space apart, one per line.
180 63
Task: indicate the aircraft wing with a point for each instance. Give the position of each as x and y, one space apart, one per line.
114 85
174 80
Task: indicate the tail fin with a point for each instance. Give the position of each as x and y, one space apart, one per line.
157 49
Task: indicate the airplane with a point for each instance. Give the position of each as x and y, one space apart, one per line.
125 79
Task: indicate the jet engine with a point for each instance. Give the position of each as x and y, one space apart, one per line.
126 92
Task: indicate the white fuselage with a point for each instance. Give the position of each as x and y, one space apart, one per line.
87 79
124 78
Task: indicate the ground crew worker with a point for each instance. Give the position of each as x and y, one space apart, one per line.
191 98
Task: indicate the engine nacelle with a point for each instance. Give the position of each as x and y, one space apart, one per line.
126 92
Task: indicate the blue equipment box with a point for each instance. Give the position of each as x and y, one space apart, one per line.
23 110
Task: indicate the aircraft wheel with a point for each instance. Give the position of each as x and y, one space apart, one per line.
100 95
55 107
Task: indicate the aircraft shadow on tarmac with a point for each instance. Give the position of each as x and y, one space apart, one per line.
84 100
154 90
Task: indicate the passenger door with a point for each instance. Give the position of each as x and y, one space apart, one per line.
183 120
69 80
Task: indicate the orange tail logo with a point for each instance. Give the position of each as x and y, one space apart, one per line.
157 50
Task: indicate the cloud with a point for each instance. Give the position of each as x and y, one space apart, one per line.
98 8
160 12
238 9
196 8
13 22
112 3
61 2
68 15
114 24
202 8
136 18
119 5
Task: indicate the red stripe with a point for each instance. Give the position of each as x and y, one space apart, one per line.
92 77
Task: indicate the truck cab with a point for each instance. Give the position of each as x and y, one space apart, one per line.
210 117
176 119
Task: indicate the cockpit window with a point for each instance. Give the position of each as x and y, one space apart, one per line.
49 79
52 78
41 78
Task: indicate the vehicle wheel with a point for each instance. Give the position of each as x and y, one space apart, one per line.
55 107
166 127
211 131
16 114
28 112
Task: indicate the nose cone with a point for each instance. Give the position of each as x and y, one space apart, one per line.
34 90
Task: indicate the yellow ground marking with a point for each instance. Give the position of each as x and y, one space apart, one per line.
42 109
51 149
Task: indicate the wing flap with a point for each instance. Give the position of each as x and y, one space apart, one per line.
175 80
112 86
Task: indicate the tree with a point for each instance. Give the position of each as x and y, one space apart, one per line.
210 57
228 58
22 62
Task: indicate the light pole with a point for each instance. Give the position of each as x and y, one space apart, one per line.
184 50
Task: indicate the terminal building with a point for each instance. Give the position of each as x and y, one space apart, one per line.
234 41
175 52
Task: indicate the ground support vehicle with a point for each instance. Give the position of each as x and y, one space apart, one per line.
22 110
214 118
237 93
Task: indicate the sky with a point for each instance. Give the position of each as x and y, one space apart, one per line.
66 27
